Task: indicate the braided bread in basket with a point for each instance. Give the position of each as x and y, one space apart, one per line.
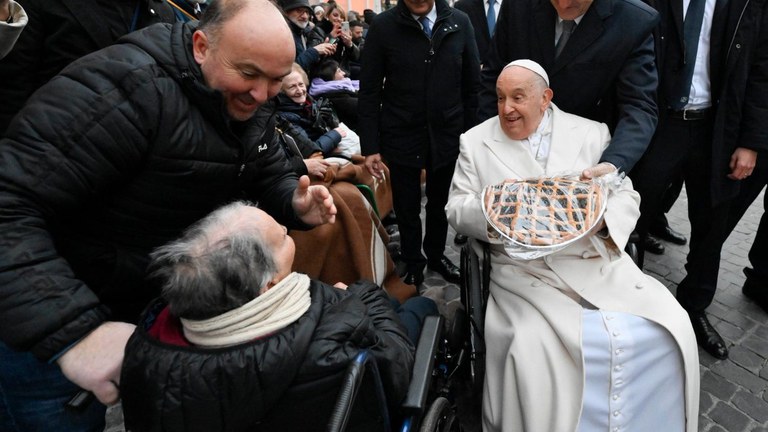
543 212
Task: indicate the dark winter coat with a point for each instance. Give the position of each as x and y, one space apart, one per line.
430 94
306 56
112 158
60 31
306 116
738 66
172 388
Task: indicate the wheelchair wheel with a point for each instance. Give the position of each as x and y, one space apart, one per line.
441 417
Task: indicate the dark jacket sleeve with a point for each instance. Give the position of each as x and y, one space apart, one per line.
492 66
52 162
753 133
328 141
636 103
371 82
392 349
308 58
470 77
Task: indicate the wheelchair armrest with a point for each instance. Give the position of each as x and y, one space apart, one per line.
363 363
431 331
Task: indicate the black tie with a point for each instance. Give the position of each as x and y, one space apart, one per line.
691 32
568 26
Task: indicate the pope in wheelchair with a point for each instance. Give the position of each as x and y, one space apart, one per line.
579 339
240 343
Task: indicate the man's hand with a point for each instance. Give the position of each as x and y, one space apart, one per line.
340 285
313 204
94 363
742 163
316 167
598 170
5 10
374 165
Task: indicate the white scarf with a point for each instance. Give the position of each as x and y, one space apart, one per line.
280 306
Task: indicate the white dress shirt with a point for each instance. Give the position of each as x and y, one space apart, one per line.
701 91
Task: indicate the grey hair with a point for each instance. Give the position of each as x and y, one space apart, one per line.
220 263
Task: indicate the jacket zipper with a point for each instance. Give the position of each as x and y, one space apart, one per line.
736 30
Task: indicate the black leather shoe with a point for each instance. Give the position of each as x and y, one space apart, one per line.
707 337
670 235
460 239
414 278
447 269
753 290
651 245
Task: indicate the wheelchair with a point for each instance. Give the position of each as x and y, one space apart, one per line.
474 291
360 403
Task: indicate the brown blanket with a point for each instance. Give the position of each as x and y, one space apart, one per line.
354 247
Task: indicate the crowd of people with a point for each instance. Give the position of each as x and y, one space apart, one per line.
177 195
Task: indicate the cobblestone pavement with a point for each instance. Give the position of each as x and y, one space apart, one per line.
734 392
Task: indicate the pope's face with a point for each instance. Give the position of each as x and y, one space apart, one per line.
522 98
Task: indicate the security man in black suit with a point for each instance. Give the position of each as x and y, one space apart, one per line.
713 98
482 14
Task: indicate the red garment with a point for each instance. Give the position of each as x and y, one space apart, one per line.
167 328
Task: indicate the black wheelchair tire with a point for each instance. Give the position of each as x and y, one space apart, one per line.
440 417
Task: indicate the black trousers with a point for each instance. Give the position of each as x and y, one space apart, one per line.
750 189
406 196
684 147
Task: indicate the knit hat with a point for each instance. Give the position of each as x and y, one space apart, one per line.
288 5
318 9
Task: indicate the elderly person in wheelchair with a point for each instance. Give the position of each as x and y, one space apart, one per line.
580 339
236 330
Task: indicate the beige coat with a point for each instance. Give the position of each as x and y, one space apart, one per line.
534 366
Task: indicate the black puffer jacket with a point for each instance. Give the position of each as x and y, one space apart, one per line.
171 388
113 157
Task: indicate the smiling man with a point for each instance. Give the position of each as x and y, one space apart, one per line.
113 157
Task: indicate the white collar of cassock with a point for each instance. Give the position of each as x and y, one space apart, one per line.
538 143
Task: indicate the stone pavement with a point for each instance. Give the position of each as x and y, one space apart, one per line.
734 392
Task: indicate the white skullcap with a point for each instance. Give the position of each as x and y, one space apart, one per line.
319 8
531 66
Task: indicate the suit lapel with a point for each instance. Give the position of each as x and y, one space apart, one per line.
512 154
565 145
544 17
481 17
676 11
588 30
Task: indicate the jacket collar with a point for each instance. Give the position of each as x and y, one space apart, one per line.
565 146
588 30
443 11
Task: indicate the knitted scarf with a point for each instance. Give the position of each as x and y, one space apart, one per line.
280 306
